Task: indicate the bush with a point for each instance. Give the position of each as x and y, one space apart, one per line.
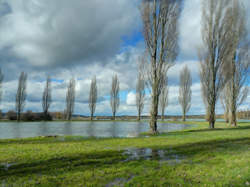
11 115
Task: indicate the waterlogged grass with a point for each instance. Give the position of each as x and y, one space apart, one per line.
219 157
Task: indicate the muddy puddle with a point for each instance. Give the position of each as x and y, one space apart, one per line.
161 155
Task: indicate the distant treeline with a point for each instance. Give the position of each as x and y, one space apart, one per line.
39 116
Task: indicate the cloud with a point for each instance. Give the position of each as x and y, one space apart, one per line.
131 98
47 34
190 29
82 39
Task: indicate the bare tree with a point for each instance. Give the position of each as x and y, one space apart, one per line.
92 97
114 95
185 92
47 97
216 37
237 90
1 84
163 100
70 99
160 21
21 94
140 94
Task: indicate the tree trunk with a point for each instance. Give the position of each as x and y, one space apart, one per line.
233 118
162 114
212 117
113 116
184 117
18 116
154 110
91 117
139 116
226 117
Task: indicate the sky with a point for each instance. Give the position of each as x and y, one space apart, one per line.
82 39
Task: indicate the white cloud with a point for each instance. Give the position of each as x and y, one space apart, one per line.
131 98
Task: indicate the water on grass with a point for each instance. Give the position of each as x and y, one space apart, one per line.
118 182
152 154
6 165
86 129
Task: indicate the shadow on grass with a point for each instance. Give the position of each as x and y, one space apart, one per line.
207 130
113 158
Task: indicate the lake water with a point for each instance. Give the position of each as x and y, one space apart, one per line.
87 129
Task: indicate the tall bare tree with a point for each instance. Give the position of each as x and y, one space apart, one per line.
1 84
47 97
216 37
163 100
185 92
70 99
114 95
92 97
140 94
240 63
21 94
160 21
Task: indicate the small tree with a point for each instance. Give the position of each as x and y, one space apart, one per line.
163 100
92 97
1 84
21 95
140 94
114 95
185 92
47 97
70 99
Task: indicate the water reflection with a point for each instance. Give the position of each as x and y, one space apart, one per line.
67 128
152 154
87 129
90 129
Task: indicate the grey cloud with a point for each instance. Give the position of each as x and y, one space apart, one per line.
65 33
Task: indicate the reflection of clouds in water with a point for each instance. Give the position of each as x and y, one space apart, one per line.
43 129
67 128
91 129
113 129
16 130
86 129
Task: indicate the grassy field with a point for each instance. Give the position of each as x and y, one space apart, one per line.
196 157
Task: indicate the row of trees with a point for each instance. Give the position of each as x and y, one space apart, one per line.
224 56
70 96
184 95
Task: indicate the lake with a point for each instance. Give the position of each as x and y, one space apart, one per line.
87 129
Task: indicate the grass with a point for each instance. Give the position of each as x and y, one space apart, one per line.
219 157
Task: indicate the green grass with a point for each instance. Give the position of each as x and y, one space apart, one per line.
219 157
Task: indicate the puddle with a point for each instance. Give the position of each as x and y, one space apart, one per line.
6 165
152 154
119 182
